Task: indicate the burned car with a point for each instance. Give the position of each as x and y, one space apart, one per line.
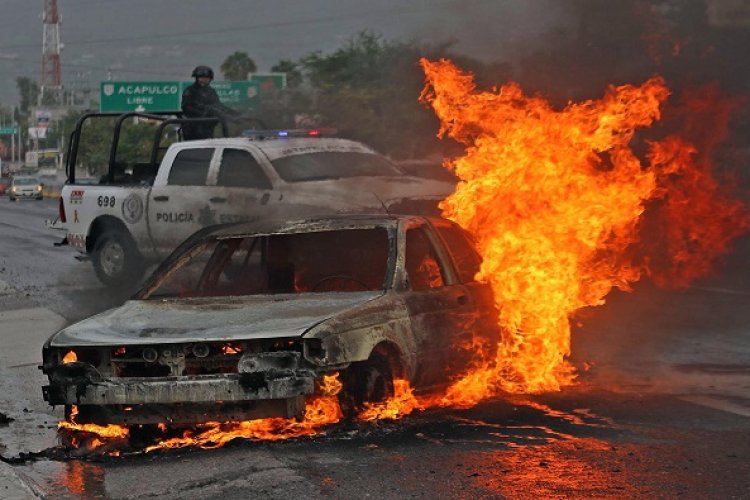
240 322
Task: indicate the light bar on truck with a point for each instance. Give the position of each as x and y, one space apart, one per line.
294 132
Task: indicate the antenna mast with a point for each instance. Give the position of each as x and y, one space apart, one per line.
51 81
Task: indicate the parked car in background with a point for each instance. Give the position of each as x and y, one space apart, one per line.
243 319
4 185
25 187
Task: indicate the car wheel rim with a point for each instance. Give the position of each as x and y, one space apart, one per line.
112 258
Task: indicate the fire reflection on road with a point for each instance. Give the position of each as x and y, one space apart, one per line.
83 478
510 447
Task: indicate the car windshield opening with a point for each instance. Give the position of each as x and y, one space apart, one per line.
324 165
350 260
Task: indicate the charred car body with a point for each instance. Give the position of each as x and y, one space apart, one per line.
240 322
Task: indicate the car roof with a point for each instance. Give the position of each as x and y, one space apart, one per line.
334 222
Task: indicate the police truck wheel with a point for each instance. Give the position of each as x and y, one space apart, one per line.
116 259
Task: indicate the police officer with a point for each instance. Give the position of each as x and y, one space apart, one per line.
199 100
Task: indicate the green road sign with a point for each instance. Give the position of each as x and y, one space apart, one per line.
153 96
121 97
269 81
8 130
243 94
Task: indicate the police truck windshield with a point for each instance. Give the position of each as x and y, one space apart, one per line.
324 165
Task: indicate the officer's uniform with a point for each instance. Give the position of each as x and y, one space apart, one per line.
199 101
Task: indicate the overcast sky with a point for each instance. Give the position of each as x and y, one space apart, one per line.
165 39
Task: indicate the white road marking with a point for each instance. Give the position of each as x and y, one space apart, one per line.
718 404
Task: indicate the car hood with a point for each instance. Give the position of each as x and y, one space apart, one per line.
146 322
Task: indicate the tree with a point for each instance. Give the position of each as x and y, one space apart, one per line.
369 91
293 73
237 66
29 91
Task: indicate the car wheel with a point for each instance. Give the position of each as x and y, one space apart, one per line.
116 259
369 381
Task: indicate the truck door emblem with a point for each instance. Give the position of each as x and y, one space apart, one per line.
206 216
132 208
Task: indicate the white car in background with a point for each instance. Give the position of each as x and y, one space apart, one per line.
25 187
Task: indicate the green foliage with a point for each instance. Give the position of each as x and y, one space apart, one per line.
293 73
135 144
237 66
369 91
29 91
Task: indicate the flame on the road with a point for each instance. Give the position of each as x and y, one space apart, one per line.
555 200
319 411
402 403
91 437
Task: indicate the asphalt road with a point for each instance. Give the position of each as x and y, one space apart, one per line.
662 409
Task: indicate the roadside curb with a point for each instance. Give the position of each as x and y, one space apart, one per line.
12 487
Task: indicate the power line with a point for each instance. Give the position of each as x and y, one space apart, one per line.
277 24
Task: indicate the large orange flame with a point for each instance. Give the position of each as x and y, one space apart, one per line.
554 200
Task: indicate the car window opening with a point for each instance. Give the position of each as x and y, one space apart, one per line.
352 260
422 263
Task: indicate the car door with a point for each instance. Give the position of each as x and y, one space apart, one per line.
243 191
484 330
440 308
177 204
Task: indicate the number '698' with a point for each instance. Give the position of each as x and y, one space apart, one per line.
105 201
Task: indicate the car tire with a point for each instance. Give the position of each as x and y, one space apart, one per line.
369 381
116 259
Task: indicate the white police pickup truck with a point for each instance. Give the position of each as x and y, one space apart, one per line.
139 213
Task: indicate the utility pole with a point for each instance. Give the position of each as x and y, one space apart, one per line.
51 48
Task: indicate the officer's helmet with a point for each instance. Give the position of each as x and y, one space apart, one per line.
200 71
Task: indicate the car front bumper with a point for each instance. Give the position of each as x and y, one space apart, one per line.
182 399
27 194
